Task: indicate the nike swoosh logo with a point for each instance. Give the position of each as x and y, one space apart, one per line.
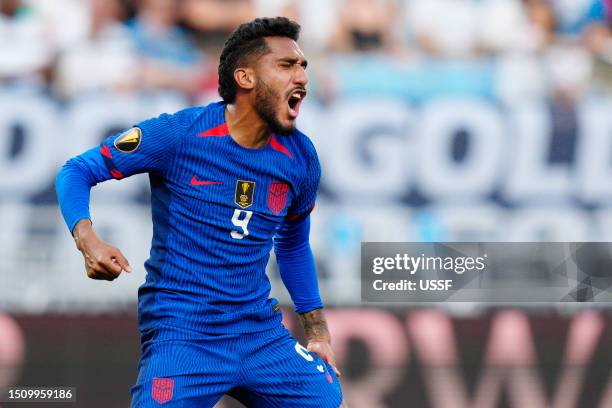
196 182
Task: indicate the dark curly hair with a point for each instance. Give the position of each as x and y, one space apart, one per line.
246 42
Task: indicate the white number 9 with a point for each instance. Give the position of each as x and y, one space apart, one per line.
242 223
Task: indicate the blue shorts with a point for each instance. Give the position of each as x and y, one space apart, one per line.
265 369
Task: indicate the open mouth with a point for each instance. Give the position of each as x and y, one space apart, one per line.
294 101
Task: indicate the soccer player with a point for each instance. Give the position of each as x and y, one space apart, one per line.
229 181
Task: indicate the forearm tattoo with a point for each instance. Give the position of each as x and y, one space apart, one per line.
315 326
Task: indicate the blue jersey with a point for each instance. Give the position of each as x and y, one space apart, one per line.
216 207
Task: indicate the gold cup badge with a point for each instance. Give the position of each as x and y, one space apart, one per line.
128 141
245 190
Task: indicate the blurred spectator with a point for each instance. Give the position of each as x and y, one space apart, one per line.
24 50
317 18
573 16
542 17
169 58
580 59
364 25
598 39
214 20
514 25
102 61
462 28
515 32
569 70
66 21
445 28
211 22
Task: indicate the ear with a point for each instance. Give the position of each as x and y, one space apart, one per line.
245 78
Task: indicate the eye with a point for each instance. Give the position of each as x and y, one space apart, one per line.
285 64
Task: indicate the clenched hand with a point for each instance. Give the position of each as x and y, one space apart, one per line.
102 260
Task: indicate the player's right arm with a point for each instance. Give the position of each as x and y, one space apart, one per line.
73 184
148 147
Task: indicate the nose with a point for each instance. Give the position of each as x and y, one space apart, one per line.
300 77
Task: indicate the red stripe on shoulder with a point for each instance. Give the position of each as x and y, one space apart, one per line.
217 131
275 144
105 151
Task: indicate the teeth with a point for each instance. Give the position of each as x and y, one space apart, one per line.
297 95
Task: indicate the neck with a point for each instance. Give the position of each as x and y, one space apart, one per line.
246 126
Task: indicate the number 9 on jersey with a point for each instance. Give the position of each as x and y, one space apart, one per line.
241 222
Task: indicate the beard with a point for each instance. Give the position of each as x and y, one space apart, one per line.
266 102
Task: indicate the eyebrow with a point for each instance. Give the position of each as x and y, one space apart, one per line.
293 60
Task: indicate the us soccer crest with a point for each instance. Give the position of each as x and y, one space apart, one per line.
128 141
162 389
277 196
245 191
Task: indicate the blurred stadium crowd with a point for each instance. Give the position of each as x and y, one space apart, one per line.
435 120
536 48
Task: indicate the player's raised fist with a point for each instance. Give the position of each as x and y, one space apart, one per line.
102 260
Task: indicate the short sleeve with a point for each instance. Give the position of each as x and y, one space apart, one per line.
307 194
150 146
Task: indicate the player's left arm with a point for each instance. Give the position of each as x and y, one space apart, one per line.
298 272
297 266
